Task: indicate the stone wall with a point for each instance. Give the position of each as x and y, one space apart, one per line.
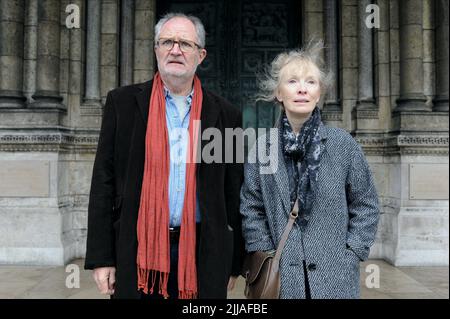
51 94
390 91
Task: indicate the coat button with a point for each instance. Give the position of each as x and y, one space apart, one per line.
312 267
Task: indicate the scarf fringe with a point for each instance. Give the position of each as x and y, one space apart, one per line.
143 275
143 281
163 281
187 294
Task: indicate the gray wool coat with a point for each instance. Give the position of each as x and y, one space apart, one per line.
342 224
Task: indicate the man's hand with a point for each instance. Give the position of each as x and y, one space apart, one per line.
105 278
231 283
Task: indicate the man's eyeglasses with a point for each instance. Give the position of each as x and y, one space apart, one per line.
185 45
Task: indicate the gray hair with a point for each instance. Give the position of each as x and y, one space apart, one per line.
269 79
199 28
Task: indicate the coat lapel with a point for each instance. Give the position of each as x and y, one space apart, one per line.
208 118
143 99
323 132
210 111
280 175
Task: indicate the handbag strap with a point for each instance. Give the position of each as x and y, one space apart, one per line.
292 217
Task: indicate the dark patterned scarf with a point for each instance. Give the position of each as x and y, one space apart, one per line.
303 153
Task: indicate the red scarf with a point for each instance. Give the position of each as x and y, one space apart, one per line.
153 255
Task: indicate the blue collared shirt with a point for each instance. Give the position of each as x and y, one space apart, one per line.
178 130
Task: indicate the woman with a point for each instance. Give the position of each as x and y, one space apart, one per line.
326 170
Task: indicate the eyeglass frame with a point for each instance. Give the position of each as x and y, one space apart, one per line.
178 42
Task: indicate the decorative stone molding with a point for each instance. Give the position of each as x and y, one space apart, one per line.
424 151
87 142
404 145
48 142
372 145
441 141
331 116
371 141
405 141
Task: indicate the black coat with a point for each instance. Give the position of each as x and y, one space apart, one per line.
116 189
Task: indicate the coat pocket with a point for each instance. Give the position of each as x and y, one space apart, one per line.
352 263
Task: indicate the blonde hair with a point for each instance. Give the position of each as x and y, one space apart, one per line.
269 79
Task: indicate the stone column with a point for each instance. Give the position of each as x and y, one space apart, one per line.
442 47
48 60
366 110
429 52
348 58
331 54
312 20
365 49
412 96
144 22
11 53
92 92
30 49
126 42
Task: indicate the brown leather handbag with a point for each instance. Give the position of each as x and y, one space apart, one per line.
261 268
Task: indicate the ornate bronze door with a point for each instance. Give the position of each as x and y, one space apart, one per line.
242 36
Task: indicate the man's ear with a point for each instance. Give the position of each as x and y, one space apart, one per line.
203 54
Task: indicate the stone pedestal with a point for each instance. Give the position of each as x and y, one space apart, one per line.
416 221
44 196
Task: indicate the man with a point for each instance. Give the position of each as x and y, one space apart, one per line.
160 224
